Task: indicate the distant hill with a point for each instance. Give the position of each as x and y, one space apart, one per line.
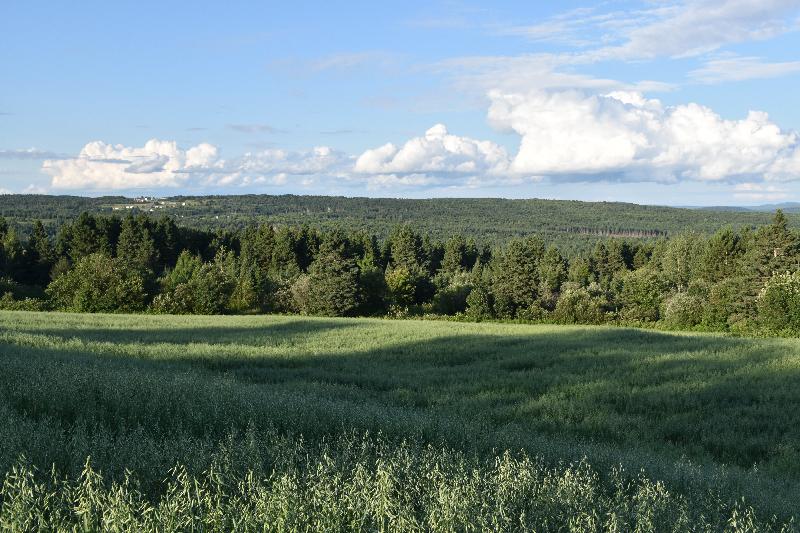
573 225
788 207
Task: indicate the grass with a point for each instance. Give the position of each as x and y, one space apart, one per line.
301 423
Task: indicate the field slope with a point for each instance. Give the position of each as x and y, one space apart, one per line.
309 406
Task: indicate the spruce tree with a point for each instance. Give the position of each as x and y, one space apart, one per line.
333 284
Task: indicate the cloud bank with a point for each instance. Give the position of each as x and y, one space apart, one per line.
574 135
102 166
577 136
162 164
563 136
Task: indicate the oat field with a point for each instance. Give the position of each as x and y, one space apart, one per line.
286 423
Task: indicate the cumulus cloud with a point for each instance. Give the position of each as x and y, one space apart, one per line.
317 160
402 181
162 164
624 135
277 167
102 166
436 152
578 136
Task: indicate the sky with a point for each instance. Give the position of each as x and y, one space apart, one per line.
656 102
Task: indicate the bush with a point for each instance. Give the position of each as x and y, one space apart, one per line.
98 284
725 308
178 301
196 288
534 313
402 286
641 296
779 303
683 310
451 298
299 291
9 303
576 305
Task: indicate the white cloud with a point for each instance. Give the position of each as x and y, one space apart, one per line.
102 166
317 160
564 136
437 152
161 164
404 181
581 27
575 136
696 27
735 68
665 29
626 136
480 74
277 167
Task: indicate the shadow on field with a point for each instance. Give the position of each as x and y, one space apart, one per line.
257 335
634 396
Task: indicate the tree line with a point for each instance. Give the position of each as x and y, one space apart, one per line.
744 280
573 226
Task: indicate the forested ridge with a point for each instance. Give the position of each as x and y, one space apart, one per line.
733 280
571 225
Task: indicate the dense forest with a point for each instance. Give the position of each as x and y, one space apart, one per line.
571 225
733 280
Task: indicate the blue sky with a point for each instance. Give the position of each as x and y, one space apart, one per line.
660 102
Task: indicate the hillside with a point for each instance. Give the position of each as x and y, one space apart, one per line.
571 225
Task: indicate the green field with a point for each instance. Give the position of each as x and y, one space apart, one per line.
219 423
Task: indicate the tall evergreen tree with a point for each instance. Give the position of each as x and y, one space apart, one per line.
85 236
284 262
771 249
515 276
136 247
41 255
333 284
721 255
13 256
406 249
454 259
166 237
552 270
